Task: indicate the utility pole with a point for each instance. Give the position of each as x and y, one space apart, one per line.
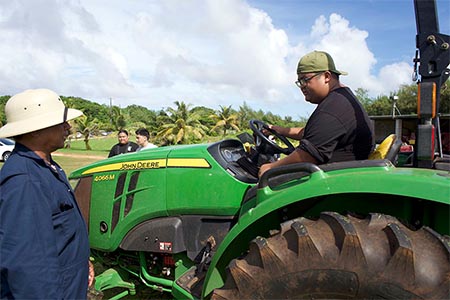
110 110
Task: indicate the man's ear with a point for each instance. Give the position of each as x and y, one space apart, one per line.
328 76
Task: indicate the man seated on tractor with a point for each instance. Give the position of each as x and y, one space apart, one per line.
339 128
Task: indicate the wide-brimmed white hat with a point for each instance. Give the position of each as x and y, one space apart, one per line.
33 110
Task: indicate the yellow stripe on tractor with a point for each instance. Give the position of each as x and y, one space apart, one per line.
151 164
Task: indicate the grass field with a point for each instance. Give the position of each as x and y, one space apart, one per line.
77 156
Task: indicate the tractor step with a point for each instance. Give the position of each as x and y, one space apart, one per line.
192 281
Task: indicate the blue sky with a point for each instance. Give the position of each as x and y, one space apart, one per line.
390 23
203 52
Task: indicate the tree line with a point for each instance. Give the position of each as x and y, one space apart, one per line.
184 124
406 102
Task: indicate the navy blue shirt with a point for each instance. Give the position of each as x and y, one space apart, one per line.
44 247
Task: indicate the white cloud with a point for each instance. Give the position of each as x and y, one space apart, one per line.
320 28
151 53
392 76
348 46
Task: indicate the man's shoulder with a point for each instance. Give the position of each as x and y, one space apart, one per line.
341 99
15 166
115 146
150 145
342 94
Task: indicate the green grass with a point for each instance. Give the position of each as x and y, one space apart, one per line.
70 163
77 156
99 145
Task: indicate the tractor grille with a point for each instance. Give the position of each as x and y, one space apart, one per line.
124 193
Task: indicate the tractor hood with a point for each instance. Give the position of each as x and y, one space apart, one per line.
146 159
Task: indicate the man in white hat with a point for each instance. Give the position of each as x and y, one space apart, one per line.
44 246
339 129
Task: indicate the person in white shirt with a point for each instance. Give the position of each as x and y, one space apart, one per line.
142 137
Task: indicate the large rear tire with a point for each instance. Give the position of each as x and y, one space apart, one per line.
342 257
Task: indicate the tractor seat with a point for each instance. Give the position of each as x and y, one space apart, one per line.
388 149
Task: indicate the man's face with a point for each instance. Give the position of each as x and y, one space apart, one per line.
123 138
141 139
313 86
55 136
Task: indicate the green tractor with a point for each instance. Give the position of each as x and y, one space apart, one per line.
196 221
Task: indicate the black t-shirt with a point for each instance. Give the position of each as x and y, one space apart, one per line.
123 148
338 130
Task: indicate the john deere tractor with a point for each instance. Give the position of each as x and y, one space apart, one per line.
196 221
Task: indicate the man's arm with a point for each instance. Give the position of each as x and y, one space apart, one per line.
295 157
28 247
113 151
295 133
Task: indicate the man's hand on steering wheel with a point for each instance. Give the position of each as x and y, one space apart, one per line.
260 130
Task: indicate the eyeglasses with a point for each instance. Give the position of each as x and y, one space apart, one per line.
301 82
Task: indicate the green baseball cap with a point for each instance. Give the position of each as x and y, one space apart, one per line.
317 61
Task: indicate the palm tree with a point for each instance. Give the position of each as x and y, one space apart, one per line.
225 119
118 118
180 125
86 126
245 114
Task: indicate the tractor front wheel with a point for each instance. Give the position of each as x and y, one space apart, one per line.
342 257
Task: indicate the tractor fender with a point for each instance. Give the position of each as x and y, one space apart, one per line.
164 235
261 214
177 234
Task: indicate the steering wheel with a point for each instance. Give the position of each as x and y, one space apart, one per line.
258 127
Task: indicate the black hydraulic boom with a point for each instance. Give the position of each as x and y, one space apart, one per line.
433 59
